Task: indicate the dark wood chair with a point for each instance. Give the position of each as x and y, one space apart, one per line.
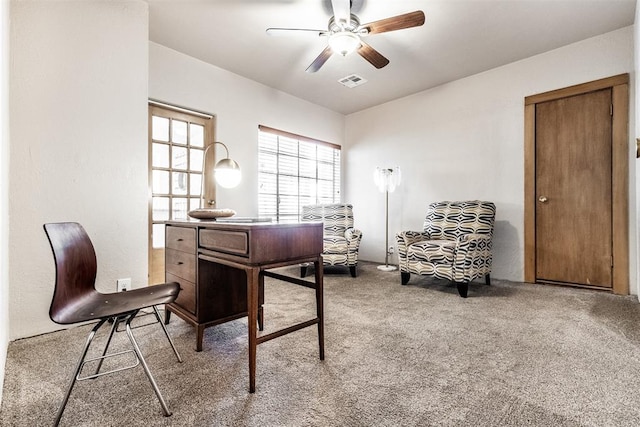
75 300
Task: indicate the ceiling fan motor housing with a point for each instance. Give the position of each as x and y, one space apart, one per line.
334 27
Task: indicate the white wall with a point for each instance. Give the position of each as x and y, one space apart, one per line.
464 140
4 187
78 82
240 105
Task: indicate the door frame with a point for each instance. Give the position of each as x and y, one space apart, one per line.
619 174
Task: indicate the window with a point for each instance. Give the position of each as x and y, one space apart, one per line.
177 140
294 171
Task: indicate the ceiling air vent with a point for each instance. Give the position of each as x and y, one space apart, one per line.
352 81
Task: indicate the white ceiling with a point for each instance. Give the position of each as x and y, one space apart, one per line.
459 38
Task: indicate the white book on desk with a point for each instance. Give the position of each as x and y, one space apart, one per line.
244 219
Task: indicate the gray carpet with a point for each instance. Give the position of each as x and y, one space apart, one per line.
511 354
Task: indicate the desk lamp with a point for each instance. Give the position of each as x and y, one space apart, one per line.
227 174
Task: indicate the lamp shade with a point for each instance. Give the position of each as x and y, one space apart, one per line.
227 173
387 179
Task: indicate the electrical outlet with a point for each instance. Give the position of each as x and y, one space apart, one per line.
391 250
123 284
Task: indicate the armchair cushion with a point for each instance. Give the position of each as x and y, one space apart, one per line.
435 251
335 245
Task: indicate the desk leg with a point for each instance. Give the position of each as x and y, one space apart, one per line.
199 337
260 302
320 304
253 280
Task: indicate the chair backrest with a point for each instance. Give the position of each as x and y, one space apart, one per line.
337 217
450 220
76 267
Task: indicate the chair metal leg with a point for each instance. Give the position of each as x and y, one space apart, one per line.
157 313
165 408
77 370
114 326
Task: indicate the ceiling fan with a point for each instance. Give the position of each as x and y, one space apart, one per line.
345 34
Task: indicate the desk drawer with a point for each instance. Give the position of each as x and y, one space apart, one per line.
234 242
180 264
181 238
187 296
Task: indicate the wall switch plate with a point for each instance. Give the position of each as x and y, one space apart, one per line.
123 284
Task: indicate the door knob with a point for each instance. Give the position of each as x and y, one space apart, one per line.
542 199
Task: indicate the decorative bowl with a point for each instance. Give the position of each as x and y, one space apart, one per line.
210 213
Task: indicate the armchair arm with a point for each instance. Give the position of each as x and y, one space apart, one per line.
404 239
473 257
407 238
353 237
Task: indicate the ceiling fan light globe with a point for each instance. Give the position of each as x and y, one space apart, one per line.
344 42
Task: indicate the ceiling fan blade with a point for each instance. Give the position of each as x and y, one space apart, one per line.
374 57
295 31
320 60
342 11
407 20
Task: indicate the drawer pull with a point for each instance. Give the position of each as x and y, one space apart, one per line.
179 240
180 263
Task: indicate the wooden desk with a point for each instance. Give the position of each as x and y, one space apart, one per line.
221 269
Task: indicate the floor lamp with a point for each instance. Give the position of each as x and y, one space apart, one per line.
387 180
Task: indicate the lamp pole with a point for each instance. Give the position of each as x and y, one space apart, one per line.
387 179
386 242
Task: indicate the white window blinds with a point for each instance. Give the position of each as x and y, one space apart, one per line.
294 171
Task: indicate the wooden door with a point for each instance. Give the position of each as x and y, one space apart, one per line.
540 243
574 189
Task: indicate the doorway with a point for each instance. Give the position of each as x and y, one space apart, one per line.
576 186
177 142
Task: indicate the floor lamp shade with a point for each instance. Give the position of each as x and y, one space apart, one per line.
387 179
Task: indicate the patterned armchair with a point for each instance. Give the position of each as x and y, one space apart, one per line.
341 240
455 244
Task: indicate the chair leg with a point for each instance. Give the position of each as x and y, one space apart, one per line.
404 277
157 313
303 271
352 270
487 280
165 408
77 370
463 288
114 326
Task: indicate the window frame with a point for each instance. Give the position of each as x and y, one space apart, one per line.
297 197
